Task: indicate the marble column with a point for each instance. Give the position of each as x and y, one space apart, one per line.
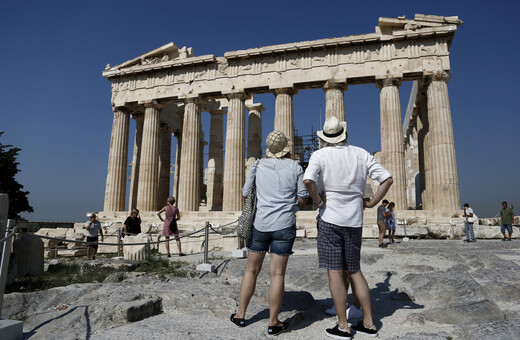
176 174
138 139
392 145
335 100
189 183
445 183
149 163
284 116
254 134
423 143
200 166
215 160
164 165
115 190
234 161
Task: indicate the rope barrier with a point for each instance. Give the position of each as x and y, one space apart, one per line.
140 243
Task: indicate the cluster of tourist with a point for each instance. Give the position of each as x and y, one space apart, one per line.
132 226
335 179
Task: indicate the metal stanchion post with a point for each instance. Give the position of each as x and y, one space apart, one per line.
206 238
206 267
118 242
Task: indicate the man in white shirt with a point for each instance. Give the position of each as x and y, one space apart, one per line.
468 226
336 178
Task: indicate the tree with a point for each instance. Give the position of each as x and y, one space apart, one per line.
18 200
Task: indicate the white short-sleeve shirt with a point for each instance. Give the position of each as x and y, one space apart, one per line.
341 173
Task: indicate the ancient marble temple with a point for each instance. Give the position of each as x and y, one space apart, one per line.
168 89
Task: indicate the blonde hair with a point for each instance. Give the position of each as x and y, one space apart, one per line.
136 211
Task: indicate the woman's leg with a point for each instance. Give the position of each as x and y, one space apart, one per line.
247 287
178 243
167 244
276 288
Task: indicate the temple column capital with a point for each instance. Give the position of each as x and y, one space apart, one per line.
291 91
388 81
439 75
255 107
152 103
331 84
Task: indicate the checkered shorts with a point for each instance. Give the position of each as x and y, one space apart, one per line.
339 248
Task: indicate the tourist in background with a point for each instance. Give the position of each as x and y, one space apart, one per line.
279 191
507 216
390 222
336 178
468 226
170 224
93 227
132 225
381 222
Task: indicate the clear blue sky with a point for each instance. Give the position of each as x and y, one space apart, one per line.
55 105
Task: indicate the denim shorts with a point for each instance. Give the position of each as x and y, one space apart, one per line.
278 242
509 228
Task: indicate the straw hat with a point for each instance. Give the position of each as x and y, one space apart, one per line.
278 144
333 131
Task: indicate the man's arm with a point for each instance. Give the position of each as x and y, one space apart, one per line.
319 199
101 232
380 193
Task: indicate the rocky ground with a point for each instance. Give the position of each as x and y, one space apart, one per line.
422 289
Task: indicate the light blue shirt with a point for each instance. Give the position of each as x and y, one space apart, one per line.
279 183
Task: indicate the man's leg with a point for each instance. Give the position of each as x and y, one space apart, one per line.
276 288
88 252
247 287
510 230
471 231
381 226
360 287
94 252
338 292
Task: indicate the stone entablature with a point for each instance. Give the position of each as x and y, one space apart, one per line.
401 48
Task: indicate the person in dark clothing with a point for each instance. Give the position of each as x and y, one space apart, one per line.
132 225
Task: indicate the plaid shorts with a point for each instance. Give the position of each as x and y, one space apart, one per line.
339 248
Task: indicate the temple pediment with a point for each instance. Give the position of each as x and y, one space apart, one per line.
166 54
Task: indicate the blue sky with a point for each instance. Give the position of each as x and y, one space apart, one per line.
55 105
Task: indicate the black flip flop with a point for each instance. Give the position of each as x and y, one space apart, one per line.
237 321
275 330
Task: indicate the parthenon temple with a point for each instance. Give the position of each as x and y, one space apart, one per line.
166 90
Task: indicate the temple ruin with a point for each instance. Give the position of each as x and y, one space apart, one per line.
167 89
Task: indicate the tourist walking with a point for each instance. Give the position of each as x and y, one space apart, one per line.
170 224
93 227
381 222
507 216
468 223
390 222
132 225
279 191
341 171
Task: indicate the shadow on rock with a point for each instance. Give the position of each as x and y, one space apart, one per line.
386 302
27 335
299 309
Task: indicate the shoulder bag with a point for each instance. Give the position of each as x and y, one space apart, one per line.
246 219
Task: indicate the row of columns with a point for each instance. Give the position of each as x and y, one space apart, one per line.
150 171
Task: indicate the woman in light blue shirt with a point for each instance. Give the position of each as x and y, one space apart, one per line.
279 191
